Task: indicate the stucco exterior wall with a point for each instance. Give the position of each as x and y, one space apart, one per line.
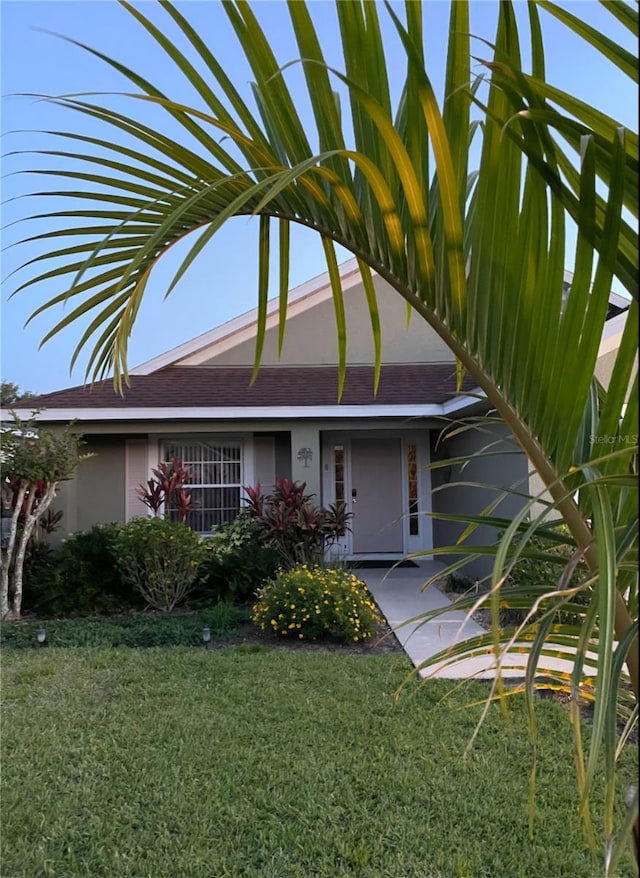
65 502
100 489
310 337
504 470
603 372
283 455
604 368
97 493
281 449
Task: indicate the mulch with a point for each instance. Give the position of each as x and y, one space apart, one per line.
383 642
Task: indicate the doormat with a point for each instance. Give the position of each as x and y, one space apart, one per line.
373 564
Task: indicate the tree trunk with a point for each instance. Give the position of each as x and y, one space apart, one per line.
7 555
30 520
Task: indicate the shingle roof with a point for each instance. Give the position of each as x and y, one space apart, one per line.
201 386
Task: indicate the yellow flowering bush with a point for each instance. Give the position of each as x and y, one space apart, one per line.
309 602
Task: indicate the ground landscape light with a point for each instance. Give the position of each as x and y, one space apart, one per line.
206 636
41 636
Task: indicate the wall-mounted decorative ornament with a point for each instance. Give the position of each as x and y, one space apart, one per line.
305 454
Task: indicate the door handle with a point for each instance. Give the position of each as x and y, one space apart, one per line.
354 495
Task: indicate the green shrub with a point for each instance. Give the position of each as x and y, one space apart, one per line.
535 572
308 602
236 561
81 577
40 564
134 630
160 558
296 528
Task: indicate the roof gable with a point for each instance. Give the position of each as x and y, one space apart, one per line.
233 343
243 328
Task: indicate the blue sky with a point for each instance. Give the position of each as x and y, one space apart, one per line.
223 282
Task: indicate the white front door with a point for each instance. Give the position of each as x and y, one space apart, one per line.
376 496
383 478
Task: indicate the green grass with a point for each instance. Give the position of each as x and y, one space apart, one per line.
183 763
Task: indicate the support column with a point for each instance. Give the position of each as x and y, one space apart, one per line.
305 458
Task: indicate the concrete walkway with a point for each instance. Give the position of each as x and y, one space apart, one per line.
398 593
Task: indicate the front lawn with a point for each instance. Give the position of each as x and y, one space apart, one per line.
186 763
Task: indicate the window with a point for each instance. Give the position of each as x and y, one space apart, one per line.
216 483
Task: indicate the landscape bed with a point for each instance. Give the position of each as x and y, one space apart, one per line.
166 762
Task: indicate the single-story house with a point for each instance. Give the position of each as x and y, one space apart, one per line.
372 451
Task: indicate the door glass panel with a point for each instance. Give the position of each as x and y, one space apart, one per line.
412 476
338 456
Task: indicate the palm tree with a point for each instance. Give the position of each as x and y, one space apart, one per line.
475 247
